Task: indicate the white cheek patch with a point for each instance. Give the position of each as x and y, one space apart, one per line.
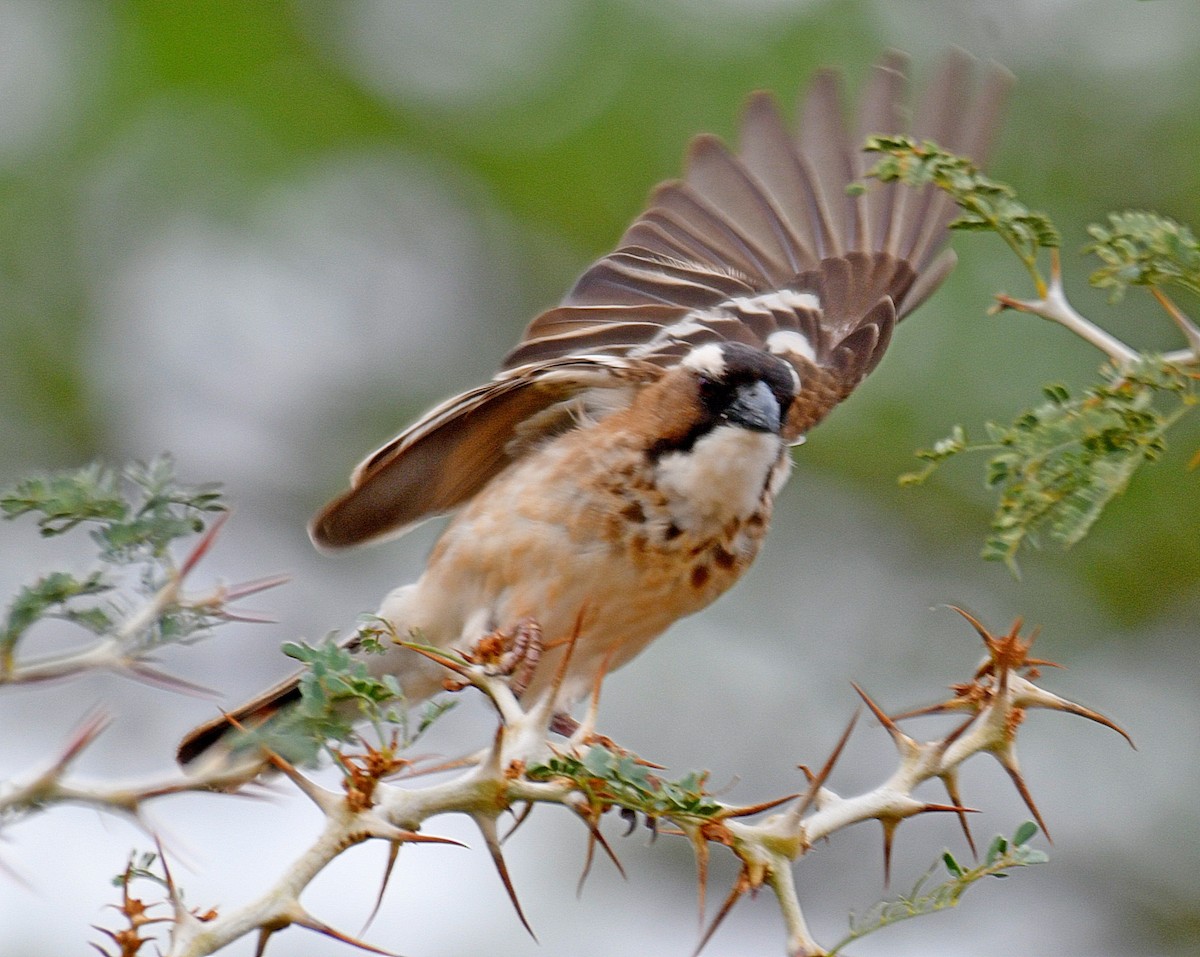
707 360
793 342
795 377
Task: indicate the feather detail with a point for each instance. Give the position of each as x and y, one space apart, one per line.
455 449
767 247
764 247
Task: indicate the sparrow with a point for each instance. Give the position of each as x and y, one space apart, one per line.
619 472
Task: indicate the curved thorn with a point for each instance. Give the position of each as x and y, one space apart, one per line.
520 819
756 808
1030 695
899 738
818 782
950 780
487 827
890 824
253 587
434 655
140 671
393 854
587 863
594 838
974 622
954 704
740 886
84 733
956 808
201 548
954 735
1008 762
306 920
703 855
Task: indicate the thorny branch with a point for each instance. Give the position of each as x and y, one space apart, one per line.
126 648
1135 248
523 768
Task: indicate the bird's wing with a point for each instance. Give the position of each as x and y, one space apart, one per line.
453 450
768 247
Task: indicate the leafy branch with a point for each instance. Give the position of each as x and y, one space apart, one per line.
1059 464
338 695
129 605
133 518
1144 249
987 205
1002 856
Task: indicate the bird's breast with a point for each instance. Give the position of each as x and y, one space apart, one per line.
600 537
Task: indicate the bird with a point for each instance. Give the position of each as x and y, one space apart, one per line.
619 471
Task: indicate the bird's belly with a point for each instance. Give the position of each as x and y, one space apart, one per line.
601 587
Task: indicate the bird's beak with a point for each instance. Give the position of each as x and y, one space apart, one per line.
754 407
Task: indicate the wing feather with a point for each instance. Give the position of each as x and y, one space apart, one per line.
458 447
768 240
763 246
769 157
824 141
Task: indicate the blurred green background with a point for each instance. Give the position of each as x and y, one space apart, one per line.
265 234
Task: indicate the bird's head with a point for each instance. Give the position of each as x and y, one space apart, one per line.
742 386
718 385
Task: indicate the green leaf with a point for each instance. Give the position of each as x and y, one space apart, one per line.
1059 465
597 761
1143 249
1024 833
621 780
987 205
66 499
52 596
337 693
1002 857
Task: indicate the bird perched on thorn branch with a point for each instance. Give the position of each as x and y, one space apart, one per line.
619 471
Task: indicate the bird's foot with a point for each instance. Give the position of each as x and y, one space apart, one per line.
512 652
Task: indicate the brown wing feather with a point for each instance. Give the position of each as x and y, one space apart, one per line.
455 449
764 247
703 260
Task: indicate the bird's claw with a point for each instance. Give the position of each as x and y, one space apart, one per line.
511 652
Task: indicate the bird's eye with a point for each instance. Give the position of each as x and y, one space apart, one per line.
711 391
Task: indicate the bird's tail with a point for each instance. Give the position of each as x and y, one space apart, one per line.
252 714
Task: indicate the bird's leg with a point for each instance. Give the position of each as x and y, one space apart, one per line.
583 733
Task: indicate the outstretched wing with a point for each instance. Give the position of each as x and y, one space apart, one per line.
768 248
456 448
